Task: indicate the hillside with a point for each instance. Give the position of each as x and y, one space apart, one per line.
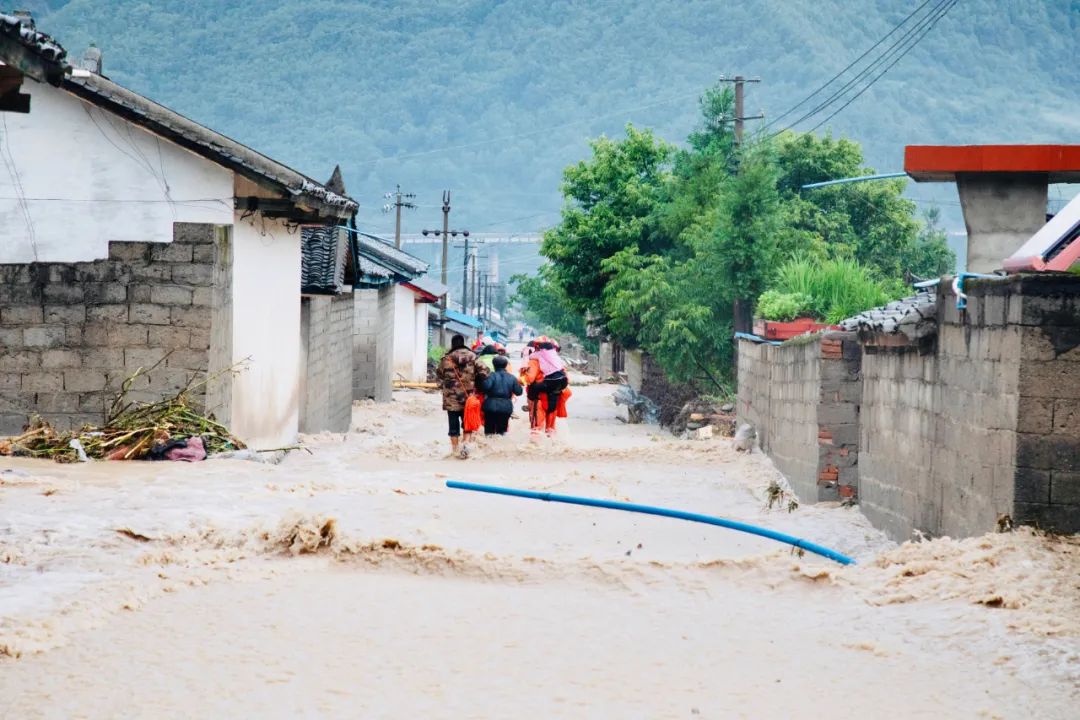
494 98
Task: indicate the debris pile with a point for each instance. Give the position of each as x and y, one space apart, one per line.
639 408
701 413
169 429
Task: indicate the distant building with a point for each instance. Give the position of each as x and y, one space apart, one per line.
390 338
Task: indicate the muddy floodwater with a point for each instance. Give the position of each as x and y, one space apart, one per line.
349 582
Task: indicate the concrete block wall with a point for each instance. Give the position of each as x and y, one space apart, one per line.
326 327
898 425
1047 476
365 320
384 343
803 400
976 409
605 369
985 424
71 333
953 434
373 344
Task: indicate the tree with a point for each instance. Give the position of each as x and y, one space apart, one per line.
544 304
870 222
611 200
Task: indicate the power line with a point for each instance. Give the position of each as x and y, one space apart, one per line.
948 5
850 65
903 45
866 71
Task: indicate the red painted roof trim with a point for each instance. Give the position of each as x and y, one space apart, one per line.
941 163
425 296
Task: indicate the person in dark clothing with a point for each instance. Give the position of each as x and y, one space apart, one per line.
459 375
499 387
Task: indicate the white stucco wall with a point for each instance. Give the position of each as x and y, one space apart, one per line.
404 332
420 342
73 162
266 331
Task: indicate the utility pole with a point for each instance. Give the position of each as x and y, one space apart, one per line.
465 279
473 285
398 203
481 303
743 308
445 237
740 110
446 234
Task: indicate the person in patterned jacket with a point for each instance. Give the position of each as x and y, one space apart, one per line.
459 374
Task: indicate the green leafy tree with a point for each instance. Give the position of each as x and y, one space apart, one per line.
543 303
610 202
870 222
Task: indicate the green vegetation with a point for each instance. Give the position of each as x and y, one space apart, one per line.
776 305
667 249
435 354
546 307
832 290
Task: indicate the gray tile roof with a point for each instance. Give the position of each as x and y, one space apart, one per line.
914 317
322 262
429 285
41 57
375 249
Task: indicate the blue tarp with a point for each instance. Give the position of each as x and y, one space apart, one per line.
463 319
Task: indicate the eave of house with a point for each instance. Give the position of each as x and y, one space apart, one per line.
285 192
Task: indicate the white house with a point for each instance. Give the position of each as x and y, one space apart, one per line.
411 331
129 233
390 338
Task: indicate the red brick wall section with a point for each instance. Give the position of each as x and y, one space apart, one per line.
838 416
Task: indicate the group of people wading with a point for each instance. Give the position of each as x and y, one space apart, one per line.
479 387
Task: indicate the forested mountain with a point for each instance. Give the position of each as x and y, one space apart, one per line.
494 98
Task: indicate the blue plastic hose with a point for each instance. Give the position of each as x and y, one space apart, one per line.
663 512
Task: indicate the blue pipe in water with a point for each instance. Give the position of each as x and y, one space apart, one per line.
663 512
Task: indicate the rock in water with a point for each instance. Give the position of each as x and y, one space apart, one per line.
704 433
745 438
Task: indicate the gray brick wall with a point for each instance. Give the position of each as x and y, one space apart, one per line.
327 371
384 345
71 333
779 394
939 428
365 319
838 416
986 424
898 426
982 423
1047 475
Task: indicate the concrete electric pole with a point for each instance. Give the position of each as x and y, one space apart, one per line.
740 100
446 233
742 309
397 196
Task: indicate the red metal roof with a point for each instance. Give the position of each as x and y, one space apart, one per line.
941 163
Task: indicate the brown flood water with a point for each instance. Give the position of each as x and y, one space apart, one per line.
230 593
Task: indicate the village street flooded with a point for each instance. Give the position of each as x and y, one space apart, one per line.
348 581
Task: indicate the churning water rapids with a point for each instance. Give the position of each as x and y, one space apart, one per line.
349 582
